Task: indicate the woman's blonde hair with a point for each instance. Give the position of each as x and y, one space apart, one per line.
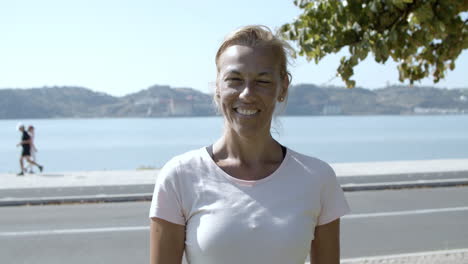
258 35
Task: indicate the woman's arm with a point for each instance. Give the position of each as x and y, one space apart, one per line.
33 146
24 142
167 242
325 248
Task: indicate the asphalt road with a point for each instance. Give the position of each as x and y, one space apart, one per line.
382 223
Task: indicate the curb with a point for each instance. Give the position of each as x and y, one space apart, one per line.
115 198
351 187
429 257
138 197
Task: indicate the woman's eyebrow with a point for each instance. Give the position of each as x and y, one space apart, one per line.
264 73
238 73
232 72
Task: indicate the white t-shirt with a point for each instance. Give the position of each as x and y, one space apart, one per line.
229 220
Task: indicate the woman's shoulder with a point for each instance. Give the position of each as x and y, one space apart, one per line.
189 158
187 161
310 163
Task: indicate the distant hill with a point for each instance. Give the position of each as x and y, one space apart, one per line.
161 101
52 102
306 99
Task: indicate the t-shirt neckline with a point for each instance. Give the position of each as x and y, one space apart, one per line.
247 183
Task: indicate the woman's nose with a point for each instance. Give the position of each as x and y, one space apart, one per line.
248 91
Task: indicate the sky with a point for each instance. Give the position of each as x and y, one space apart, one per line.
124 46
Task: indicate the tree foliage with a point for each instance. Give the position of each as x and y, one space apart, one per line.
423 36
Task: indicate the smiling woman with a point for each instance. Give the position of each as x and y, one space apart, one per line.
248 87
247 198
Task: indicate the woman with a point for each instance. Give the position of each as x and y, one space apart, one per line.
33 148
246 198
25 143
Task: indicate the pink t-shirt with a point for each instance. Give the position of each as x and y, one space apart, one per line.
228 220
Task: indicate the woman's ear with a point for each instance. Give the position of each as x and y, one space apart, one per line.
217 94
283 90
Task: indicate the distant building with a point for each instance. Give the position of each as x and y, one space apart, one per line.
181 107
149 112
332 110
147 101
422 110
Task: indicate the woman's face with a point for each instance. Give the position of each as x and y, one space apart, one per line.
248 87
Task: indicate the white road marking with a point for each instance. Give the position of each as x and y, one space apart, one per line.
77 197
73 231
406 255
144 228
409 212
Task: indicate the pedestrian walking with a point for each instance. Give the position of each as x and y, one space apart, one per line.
25 144
31 132
247 198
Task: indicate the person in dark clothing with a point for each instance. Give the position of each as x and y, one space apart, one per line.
33 149
26 150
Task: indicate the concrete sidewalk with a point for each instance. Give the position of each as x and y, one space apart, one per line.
77 179
406 170
117 186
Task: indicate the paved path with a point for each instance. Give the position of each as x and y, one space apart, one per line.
417 169
116 186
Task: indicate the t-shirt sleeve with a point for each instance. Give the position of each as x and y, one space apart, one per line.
332 199
166 203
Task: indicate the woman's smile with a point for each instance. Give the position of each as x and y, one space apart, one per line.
246 111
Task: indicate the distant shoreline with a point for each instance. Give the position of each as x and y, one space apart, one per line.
164 101
209 116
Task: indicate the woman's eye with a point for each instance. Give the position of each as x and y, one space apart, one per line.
233 79
263 81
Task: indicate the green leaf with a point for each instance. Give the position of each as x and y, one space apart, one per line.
424 36
452 65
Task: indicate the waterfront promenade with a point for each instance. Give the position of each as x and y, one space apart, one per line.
385 197
366 172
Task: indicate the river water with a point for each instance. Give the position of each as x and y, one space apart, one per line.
116 144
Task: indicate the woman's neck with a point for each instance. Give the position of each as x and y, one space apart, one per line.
248 151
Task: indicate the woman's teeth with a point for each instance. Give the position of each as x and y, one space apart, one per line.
245 111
